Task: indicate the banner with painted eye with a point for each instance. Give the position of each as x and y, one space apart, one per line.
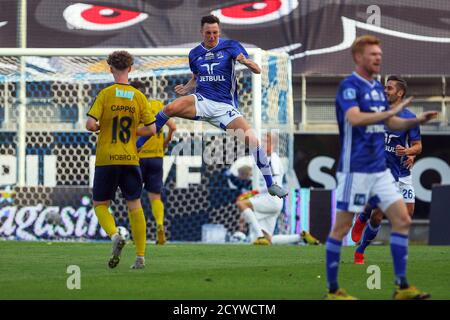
84 16
316 33
255 12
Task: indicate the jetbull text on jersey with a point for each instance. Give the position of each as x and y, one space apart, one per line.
210 69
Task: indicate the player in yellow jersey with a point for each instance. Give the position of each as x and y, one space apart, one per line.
116 114
151 160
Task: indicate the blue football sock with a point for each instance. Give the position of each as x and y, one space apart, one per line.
263 164
333 248
161 119
141 141
369 234
365 215
399 251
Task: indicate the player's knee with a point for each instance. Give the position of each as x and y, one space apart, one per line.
172 108
341 230
134 204
242 205
346 227
375 218
404 221
154 196
100 203
169 110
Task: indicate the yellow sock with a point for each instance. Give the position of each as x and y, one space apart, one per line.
139 230
158 211
130 219
105 219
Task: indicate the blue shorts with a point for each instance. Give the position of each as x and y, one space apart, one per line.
152 174
107 178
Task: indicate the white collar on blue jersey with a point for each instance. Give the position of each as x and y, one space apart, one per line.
371 84
220 39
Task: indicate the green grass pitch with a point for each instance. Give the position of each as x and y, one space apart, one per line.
38 270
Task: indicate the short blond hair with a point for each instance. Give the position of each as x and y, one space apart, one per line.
361 42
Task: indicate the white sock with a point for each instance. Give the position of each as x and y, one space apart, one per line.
286 238
250 218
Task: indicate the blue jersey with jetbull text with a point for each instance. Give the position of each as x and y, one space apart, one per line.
215 70
403 138
362 147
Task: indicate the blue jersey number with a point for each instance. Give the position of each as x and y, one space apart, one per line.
408 194
231 113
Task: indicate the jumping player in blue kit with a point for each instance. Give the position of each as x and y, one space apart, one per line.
400 149
216 98
362 111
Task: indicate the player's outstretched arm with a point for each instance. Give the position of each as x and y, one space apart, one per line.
184 89
358 118
92 124
400 124
253 66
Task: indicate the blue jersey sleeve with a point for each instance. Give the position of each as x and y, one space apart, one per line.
236 49
192 65
347 96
